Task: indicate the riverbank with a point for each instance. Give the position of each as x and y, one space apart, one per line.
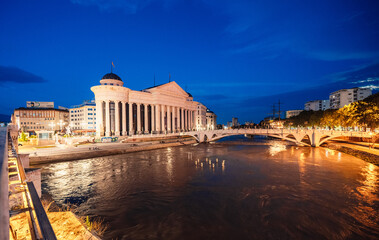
93 150
359 151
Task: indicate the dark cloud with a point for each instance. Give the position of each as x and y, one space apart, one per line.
16 75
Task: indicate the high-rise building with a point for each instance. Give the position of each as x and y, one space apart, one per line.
235 122
83 118
317 105
343 97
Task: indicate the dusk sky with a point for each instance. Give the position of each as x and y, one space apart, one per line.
236 57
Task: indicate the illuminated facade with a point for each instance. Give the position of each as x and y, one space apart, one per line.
343 97
121 111
317 105
83 117
40 119
201 117
211 120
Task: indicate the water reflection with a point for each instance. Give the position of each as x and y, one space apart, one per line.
276 147
223 192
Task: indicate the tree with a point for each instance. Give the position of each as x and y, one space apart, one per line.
362 114
23 137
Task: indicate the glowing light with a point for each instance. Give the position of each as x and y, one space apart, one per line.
276 148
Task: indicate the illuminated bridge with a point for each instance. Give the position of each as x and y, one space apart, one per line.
312 137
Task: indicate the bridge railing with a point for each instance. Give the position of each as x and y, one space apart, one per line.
4 202
39 224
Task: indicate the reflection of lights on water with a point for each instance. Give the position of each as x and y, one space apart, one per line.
326 153
369 185
276 148
302 157
339 156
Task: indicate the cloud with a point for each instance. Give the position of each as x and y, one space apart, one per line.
334 55
16 75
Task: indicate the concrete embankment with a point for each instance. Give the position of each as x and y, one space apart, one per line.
364 155
91 153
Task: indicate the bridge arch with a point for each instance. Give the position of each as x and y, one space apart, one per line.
216 137
324 139
308 137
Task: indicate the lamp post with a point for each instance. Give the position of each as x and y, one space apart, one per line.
60 125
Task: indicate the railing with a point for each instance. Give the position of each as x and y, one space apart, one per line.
39 224
4 201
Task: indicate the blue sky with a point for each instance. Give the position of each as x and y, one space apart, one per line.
236 57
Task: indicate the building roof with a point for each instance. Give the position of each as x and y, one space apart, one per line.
189 94
111 76
34 109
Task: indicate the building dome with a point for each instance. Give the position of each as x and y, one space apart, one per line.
111 76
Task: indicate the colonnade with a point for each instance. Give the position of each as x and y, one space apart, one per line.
120 118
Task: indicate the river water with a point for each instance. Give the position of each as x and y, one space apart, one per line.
265 190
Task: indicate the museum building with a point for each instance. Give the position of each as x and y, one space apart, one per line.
120 111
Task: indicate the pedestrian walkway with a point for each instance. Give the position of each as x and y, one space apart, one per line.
361 146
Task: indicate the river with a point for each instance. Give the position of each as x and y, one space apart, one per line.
265 190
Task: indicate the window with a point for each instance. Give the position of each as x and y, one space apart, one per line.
90 118
90 113
90 122
89 109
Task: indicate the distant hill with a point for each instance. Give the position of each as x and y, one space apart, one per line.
5 118
373 98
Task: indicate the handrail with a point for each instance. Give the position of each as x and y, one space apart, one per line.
4 201
39 223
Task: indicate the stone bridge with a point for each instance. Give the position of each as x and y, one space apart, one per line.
312 137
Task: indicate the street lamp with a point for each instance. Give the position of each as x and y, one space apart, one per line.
60 124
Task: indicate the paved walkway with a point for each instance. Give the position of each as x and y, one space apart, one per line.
64 149
362 146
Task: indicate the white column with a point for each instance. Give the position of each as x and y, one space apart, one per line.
99 118
162 119
158 119
186 120
146 119
169 119
177 119
173 119
131 119
182 110
153 129
191 120
138 118
107 120
117 118
123 118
